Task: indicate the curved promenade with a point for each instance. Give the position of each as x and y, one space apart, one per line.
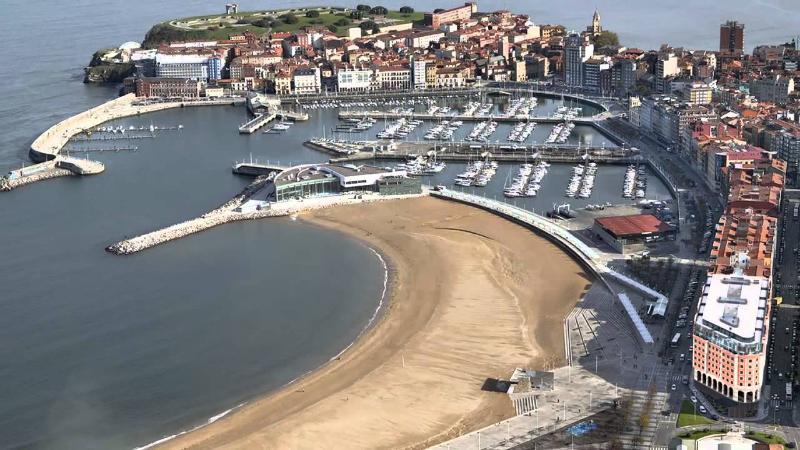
563 237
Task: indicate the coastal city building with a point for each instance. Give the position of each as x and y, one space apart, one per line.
732 322
168 87
773 89
577 50
437 19
730 332
731 38
691 236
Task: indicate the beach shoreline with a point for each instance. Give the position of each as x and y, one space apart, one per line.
410 322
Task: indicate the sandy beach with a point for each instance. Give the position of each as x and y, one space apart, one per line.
471 296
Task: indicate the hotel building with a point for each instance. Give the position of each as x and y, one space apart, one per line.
732 322
730 332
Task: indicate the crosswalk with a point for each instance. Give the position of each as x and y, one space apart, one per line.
524 403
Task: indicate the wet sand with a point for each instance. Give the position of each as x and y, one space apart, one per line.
471 296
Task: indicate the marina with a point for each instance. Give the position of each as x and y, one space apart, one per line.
528 180
635 182
477 173
581 182
302 143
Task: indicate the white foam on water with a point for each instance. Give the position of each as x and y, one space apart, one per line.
211 420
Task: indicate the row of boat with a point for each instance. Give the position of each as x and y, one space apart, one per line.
521 131
477 173
482 131
444 130
399 129
528 180
471 108
635 182
581 182
422 165
356 125
521 107
121 129
567 113
435 110
332 103
560 133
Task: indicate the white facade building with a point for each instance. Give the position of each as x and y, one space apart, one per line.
418 72
306 81
195 67
354 80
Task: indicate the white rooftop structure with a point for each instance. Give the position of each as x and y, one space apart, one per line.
130 45
728 441
162 58
736 305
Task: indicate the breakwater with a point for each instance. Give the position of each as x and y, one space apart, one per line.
50 143
232 211
221 215
45 149
7 184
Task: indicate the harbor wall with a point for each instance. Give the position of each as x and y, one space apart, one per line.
51 141
489 88
228 213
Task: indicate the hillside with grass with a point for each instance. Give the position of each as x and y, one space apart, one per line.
222 26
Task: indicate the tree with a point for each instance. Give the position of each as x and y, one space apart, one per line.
407 10
437 10
367 25
312 14
606 38
263 23
289 19
343 22
363 8
357 15
333 28
379 11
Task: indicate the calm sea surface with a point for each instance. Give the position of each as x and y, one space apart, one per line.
98 351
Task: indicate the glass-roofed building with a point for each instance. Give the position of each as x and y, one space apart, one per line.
314 180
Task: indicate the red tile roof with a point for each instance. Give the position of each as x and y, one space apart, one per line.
633 225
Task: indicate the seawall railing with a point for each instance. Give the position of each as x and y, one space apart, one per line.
563 237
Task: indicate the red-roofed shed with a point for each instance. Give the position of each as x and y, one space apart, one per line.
630 233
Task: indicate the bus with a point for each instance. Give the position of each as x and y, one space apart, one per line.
788 392
675 340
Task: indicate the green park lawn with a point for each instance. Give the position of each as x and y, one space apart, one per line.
687 416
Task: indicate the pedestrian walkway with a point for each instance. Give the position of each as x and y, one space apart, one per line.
577 394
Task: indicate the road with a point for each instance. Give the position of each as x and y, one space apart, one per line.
783 413
782 352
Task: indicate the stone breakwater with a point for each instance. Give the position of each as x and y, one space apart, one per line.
228 213
8 184
49 143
